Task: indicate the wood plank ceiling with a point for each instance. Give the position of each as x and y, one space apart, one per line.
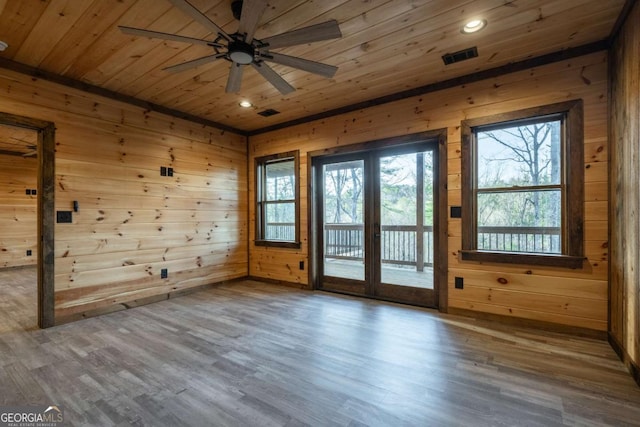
387 46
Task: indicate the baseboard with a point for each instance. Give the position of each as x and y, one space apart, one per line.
634 369
528 323
61 320
280 282
617 347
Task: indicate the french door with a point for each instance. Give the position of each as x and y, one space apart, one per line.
376 223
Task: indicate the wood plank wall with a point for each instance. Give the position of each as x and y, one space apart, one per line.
132 222
625 189
561 296
18 220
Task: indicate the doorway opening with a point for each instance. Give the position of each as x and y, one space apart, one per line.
27 146
379 220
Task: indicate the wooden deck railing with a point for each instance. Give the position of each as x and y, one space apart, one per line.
520 239
285 231
399 243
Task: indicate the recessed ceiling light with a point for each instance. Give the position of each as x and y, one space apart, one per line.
3 45
474 26
245 104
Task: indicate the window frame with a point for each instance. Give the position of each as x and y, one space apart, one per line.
261 202
572 184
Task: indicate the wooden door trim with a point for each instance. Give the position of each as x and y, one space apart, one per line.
312 244
45 211
441 238
377 144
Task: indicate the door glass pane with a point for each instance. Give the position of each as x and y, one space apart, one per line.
344 219
406 229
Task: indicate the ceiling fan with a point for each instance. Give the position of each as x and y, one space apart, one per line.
241 48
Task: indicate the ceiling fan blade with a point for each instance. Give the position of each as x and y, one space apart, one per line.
193 63
273 78
252 11
166 36
313 33
324 70
235 78
189 10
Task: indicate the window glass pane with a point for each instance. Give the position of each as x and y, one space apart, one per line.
526 155
280 222
281 181
528 221
276 200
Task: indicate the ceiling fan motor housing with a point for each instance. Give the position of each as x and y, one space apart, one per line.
241 52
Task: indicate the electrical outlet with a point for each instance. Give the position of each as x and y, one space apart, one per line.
459 282
164 273
456 211
170 172
28 191
301 265
29 252
163 171
34 192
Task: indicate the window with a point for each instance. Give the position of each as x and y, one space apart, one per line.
277 196
523 187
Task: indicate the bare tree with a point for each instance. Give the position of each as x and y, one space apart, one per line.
526 145
347 184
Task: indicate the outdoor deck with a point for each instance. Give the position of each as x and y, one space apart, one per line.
392 275
405 247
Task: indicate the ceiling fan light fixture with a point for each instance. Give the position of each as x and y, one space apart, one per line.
245 104
473 26
241 53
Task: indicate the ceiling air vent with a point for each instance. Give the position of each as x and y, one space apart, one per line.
460 55
268 113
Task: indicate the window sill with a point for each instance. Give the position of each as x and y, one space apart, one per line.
547 260
277 244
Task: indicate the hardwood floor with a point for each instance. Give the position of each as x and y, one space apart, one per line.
251 354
